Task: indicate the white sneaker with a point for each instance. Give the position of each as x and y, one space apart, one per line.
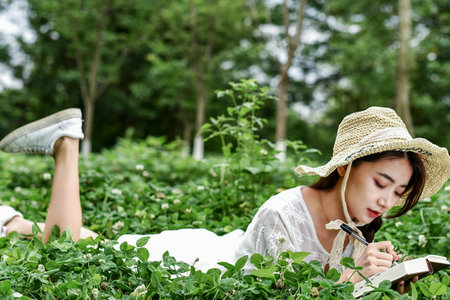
40 136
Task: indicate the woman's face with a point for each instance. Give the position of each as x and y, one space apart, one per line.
374 187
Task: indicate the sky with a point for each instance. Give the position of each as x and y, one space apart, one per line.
13 23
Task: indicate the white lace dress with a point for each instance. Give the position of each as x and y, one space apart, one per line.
282 223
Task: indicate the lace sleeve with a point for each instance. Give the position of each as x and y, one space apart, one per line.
271 233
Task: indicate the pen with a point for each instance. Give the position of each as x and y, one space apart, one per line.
354 234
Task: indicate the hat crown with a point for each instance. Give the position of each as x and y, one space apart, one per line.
356 129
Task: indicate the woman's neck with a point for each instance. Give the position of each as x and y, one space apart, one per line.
331 203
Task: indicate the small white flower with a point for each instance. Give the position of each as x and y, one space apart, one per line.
263 152
17 295
88 256
101 261
95 293
152 216
164 206
281 239
176 201
444 207
116 192
120 209
200 188
398 224
188 210
176 191
145 173
447 189
428 199
118 225
140 290
139 213
409 236
422 240
17 189
47 176
140 167
41 268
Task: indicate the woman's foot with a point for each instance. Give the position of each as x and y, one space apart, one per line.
40 136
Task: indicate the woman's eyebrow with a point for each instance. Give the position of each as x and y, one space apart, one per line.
390 178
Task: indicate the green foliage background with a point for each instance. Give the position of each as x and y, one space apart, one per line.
147 186
346 62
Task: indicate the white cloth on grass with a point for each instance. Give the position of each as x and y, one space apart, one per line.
282 223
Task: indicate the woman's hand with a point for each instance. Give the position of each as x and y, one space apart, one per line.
377 258
401 285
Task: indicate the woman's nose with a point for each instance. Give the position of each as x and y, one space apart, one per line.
388 200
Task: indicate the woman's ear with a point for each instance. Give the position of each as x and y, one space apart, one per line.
341 170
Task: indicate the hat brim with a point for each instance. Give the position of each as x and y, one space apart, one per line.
435 159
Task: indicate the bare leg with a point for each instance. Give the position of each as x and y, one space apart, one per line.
57 135
65 208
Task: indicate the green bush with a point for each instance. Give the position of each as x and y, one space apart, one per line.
148 186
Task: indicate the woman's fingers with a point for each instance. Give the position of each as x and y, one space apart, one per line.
401 287
377 257
387 246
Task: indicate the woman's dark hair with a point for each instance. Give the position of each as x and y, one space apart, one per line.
412 191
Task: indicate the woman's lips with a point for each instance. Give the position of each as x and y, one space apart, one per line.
373 213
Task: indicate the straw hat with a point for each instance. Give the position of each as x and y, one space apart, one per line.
379 129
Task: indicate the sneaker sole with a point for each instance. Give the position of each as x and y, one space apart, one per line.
39 124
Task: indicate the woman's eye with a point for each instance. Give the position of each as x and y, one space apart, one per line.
379 184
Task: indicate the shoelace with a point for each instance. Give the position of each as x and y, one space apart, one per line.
35 149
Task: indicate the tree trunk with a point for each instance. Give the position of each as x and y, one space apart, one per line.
187 135
280 144
200 114
402 99
293 43
86 144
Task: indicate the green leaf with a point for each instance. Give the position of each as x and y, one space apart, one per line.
142 241
298 256
123 247
5 287
438 289
265 273
142 254
349 263
256 259
228 266
333 274
13 238
241 262
96 279
425 290
385 285
414 293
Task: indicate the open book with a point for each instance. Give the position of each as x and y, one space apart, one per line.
404 271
